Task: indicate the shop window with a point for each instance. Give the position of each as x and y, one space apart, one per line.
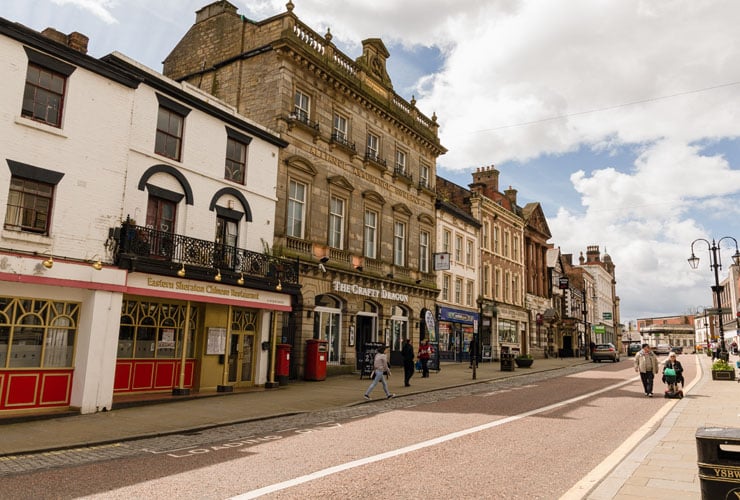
37 333
154 330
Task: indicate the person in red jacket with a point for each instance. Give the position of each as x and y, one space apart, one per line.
425 354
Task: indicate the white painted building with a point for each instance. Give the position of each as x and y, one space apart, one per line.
457 304
136 211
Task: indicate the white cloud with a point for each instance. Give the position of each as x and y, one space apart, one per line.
576 84
99 8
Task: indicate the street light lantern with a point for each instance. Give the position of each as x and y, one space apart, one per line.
716 264
694 261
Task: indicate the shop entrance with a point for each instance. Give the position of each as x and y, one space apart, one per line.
241 347
240 357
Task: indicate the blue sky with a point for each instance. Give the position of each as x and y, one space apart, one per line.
620 117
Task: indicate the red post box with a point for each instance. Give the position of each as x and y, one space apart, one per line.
317 352
282 363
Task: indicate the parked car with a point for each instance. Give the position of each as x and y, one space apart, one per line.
605 352
633 348
662 349
677 349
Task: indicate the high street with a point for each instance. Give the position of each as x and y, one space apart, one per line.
541 434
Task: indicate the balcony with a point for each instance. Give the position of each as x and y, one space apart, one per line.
301 120
340 141
400 173
372 158
159 252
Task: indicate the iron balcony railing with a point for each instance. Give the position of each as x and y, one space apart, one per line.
148 243
341 140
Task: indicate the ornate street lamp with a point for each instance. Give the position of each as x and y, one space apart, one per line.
715 263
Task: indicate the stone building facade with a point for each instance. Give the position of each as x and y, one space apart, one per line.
355 191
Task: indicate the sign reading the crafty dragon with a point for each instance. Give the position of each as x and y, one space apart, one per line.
374 293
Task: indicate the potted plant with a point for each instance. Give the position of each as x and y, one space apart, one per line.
722 370
524 360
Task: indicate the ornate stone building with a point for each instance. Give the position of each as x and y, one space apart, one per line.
604 301
355 191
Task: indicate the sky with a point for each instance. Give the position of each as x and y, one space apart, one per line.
620 117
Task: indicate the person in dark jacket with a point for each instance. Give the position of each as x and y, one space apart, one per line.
676 365
407 353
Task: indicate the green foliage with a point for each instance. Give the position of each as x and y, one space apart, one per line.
524 356
722 366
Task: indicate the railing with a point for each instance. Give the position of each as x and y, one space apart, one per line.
373 157
401 172
341 140
149 243
301 117
339 60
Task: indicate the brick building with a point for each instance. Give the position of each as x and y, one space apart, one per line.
355 191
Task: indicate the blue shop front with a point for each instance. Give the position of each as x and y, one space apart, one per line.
456 333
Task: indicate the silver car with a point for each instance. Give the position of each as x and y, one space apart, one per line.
663 349
605 352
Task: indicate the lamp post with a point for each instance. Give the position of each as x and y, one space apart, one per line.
715 263
586 343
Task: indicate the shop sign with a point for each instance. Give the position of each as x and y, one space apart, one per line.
442 261
210 292
606 315
429 320
340 286
457 315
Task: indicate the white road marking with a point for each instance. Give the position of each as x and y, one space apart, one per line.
418 446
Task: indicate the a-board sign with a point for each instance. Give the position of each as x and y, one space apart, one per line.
368 358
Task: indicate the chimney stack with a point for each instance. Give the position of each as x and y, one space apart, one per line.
485 181
511 195
74 40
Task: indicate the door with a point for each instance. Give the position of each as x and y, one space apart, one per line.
226 237
241 355
160 216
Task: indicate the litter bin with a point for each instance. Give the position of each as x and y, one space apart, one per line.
317 352
507 362
282 364
718 458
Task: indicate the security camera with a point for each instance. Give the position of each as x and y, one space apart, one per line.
322 268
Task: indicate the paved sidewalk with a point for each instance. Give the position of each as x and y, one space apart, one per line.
663 462
659 461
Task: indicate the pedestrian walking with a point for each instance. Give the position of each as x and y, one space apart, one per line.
425 353
380 371
646 362
407 353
